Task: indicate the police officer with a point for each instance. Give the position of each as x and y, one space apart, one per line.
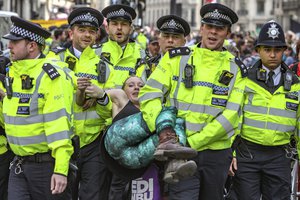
173 30
93 175
205 84
37 116
270 118
125 55
6 155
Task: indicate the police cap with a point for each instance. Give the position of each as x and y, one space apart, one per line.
271 34
218 15
23 29
173 24
86 16
119 11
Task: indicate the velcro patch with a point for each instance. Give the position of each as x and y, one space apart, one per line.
290 96
51 71
220 92
24 100
219 102
23 110
292 106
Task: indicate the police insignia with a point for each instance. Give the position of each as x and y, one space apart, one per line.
273 31
179 51
51 71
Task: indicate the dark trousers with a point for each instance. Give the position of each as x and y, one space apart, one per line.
119 188
5 160
209 180
93 175
33 182
263 171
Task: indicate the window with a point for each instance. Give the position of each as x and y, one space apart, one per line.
260 7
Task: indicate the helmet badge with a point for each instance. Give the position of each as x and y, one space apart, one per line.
273 31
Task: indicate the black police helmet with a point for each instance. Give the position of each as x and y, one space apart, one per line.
271 35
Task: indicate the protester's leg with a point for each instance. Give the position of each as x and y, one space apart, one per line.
117 188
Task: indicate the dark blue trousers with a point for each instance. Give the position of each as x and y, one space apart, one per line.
5 160
209 180
264 172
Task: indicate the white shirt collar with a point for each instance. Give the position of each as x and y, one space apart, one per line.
77 53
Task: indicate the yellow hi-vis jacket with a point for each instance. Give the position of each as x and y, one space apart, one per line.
125 61
210 108
269 119
3 141
88 124
39 119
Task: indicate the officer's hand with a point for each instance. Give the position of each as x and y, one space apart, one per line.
58 183
89 103
94 91
233 167
82 83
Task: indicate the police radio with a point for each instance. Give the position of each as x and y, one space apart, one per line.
8 86
287 80
188 75
101 70
261 74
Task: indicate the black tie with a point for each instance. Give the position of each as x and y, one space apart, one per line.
270 81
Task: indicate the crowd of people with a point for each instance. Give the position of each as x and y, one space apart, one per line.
94 112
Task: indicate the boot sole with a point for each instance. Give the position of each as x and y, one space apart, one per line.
163 155
184 171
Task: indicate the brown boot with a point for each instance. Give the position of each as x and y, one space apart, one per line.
170 148
179 169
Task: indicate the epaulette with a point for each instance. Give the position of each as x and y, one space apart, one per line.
57 50
242 66
51 71
140 61
96 46
179 51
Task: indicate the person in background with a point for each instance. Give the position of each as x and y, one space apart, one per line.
153 47
173 30
295 67
125 56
